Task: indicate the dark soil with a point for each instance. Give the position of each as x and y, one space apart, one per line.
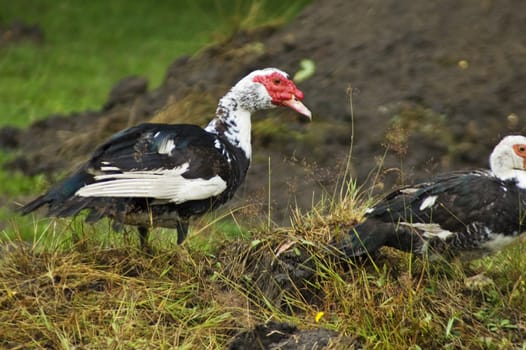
18 31
434 84
283 336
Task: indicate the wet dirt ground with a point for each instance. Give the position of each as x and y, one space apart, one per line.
434 87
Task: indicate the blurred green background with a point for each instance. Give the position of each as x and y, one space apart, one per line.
89 45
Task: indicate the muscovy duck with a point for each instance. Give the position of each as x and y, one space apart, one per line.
161 175
478 210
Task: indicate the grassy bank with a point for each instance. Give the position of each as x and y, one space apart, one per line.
98 290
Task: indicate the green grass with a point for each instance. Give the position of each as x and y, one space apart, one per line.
89 46
95 292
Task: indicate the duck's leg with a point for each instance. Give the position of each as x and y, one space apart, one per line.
143 236
182 230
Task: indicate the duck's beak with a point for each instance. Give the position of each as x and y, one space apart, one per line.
299 107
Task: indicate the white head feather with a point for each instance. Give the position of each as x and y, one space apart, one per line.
506 164
253 96
247 96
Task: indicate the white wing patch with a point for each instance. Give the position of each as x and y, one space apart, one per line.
430 230
498 241
428 202
409 190
168 184
109 168
166 147
217 144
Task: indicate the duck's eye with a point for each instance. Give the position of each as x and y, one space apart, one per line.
520 150
277 81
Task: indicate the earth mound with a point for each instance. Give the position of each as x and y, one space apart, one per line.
416 88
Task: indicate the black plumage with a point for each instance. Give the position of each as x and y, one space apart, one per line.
137 149
468 210
155 175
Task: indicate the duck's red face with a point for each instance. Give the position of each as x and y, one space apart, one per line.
283 92
520 150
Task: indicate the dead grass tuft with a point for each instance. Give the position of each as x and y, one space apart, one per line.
111 295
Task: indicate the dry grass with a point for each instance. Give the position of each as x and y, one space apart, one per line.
84 287
92 295
81 287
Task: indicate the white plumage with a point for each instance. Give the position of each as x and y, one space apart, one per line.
168 184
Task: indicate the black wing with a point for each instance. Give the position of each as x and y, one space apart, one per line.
148 146
456 210
455 201
148 160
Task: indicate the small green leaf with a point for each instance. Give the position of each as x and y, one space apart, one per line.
255 243
449 327
296 251
307 70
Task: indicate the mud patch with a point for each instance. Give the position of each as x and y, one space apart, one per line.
273 270
277 335
19 31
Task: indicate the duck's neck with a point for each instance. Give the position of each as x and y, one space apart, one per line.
233 123
517 175
506 166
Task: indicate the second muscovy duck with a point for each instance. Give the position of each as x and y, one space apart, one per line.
470 210
161 175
